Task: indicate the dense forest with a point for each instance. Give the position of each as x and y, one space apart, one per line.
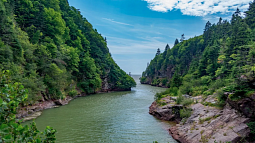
221 60
54 52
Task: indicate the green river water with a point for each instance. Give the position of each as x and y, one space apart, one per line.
117 117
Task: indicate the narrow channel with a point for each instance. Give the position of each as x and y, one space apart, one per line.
117 117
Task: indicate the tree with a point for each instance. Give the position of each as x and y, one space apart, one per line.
250 15
207 26
176 42
167 48
158 52
220 21
182 38
238 12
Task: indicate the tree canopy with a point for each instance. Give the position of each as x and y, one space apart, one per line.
53 50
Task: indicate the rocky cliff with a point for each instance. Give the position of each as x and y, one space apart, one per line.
208 124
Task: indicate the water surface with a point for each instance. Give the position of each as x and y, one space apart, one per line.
118 117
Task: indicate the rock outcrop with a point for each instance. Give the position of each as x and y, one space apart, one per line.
245 106
208 124
169 112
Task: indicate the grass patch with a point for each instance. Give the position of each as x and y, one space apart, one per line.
185 113
184 101
201 121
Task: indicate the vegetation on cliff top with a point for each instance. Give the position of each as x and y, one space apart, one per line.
51 49
221 60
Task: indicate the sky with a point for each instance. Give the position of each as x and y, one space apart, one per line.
135 29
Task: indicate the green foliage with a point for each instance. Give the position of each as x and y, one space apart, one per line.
252 128
73 93
48 46
142 79
173 91
184 101
187 102
185 112
179 99
221 60
11 130
221 97
164 81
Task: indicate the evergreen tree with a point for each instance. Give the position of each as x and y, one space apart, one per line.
167 48
182 38
176 42
250 15
158 52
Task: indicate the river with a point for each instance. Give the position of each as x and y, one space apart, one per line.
117 117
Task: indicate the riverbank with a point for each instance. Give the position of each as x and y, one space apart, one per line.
33 111
208 124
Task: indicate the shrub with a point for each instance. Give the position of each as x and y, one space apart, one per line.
186 88
208 92
217 84
142 79
205 80
156 82
73 93
179 99
187 101
185 113
221 97
164 81
198 90
157 96
173 91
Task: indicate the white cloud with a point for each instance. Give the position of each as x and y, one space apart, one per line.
198 7
148 45
112 20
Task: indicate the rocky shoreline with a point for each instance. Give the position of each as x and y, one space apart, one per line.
208 124
31 112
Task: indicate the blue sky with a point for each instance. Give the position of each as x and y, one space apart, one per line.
136 28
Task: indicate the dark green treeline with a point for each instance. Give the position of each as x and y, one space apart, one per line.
51 49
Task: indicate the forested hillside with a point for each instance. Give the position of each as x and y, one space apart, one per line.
51 49
221 60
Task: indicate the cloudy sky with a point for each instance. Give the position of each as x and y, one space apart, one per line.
136 28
